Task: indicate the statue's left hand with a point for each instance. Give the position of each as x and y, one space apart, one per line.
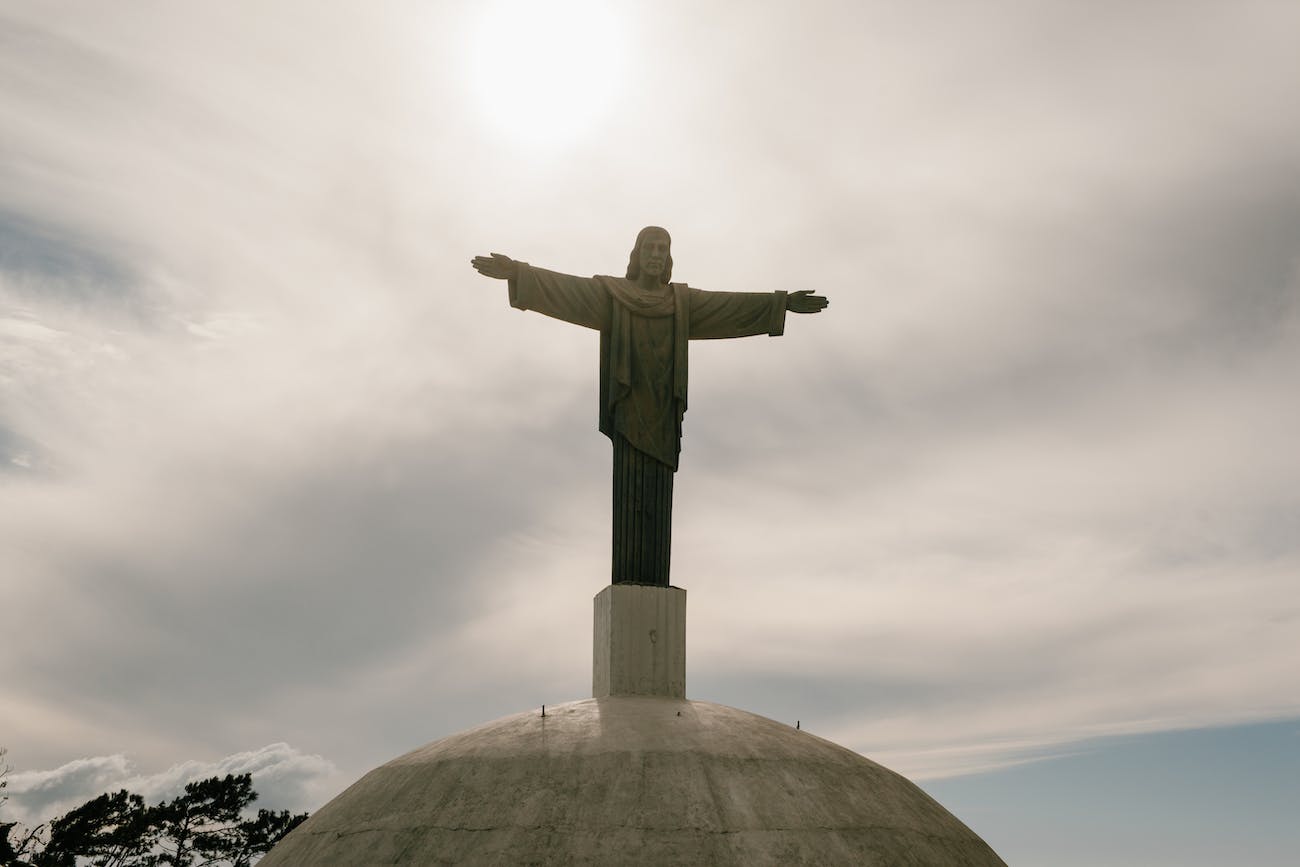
804 301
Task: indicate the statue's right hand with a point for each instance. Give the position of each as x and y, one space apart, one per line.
496 266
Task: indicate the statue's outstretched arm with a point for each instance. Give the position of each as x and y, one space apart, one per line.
496 266
804 301
579 300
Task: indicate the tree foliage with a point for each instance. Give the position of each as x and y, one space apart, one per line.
112 830
209 825
16 841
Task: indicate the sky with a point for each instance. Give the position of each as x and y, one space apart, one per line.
286 487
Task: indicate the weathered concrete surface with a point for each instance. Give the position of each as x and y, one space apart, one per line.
633 781
639 645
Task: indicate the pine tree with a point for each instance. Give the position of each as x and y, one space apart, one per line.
203 827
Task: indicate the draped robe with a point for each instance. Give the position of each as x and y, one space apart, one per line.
643 377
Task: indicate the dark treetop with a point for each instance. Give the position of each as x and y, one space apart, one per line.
645 323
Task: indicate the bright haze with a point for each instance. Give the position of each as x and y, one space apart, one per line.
284 483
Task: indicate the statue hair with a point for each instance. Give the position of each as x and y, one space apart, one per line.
634 263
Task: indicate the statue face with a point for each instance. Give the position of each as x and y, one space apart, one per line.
654 254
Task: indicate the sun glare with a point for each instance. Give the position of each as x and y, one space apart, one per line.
543 72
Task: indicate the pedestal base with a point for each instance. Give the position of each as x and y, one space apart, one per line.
640 641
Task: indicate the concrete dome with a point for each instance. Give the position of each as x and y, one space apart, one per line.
633 780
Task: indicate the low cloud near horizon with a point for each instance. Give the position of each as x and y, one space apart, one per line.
276 467
283 778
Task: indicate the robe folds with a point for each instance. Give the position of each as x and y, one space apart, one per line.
643 343
643 375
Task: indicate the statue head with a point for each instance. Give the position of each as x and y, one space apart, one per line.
652 253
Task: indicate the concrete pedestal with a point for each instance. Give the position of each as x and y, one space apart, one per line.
635 777
632 781
640 641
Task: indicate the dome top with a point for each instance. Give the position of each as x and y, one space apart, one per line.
633 780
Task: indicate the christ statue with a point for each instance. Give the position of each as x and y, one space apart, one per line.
645 323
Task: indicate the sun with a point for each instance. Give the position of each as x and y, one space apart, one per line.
544 72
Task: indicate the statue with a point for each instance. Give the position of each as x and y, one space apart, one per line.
645 323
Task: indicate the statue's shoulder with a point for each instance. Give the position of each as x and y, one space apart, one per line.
619 288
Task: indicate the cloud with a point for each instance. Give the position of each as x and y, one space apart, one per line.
283 777
37 795
272 454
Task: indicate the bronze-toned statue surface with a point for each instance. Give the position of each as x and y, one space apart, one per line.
645 322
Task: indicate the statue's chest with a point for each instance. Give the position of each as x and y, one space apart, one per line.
653 349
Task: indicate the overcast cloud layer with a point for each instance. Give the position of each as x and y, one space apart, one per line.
276 467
